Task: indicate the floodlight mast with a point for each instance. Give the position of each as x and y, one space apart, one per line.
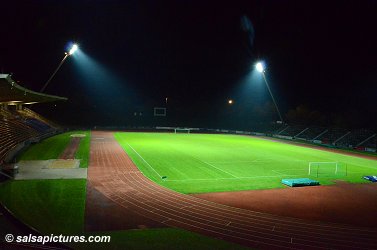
260 67
66 55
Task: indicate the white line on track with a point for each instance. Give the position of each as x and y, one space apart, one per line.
144 160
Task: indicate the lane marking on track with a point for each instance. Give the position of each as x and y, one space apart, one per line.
166 220
144 160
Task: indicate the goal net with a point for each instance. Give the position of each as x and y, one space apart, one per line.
182 130
327 169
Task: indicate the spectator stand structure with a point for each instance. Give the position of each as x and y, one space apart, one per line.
358 139
20 126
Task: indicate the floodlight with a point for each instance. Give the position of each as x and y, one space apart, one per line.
73 49
259 66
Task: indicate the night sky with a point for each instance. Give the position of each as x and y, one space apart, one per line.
320 56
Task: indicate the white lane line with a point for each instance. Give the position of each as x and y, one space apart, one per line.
144 160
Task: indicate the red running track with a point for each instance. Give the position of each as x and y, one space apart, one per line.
112 173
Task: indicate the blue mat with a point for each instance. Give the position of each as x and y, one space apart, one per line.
299 182
371 178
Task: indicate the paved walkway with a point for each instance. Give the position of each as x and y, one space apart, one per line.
49 169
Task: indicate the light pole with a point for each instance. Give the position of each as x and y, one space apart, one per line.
260 68
66 54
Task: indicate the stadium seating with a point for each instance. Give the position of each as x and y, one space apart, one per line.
311 133
268 128
354 138
332 135
17 130
371 143
292 130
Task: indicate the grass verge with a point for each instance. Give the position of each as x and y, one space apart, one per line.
50 206
162 238
52 147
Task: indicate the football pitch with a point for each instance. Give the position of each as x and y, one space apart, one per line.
197 163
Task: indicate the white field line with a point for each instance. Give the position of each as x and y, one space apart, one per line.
357 172
235 162
291 169
375 168
277 172
237 178
256 160
144 160
209 164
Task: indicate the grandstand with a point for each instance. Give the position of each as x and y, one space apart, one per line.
20 126
355 138
311 133
293 131
360 139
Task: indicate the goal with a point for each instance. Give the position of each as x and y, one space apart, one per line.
327 169
182 130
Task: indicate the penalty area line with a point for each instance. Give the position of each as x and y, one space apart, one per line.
144 160
236 178
293 169
209 164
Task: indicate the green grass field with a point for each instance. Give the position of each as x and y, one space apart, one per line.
50 206
52 147
196 163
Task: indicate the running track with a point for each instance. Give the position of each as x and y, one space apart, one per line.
113 173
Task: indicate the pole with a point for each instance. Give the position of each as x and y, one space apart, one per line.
53 74
273 99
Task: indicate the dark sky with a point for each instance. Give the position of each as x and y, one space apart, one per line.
321 54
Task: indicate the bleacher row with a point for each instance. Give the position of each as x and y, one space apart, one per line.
362 139
19 127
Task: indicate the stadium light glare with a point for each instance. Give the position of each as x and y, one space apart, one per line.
259 66
73 49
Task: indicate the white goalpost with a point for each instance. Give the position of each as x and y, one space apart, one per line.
182 130
330 169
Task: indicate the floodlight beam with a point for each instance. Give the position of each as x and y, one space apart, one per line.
272 96
260 67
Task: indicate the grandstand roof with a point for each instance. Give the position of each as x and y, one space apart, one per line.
12 93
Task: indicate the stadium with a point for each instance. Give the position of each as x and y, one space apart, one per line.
102 163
